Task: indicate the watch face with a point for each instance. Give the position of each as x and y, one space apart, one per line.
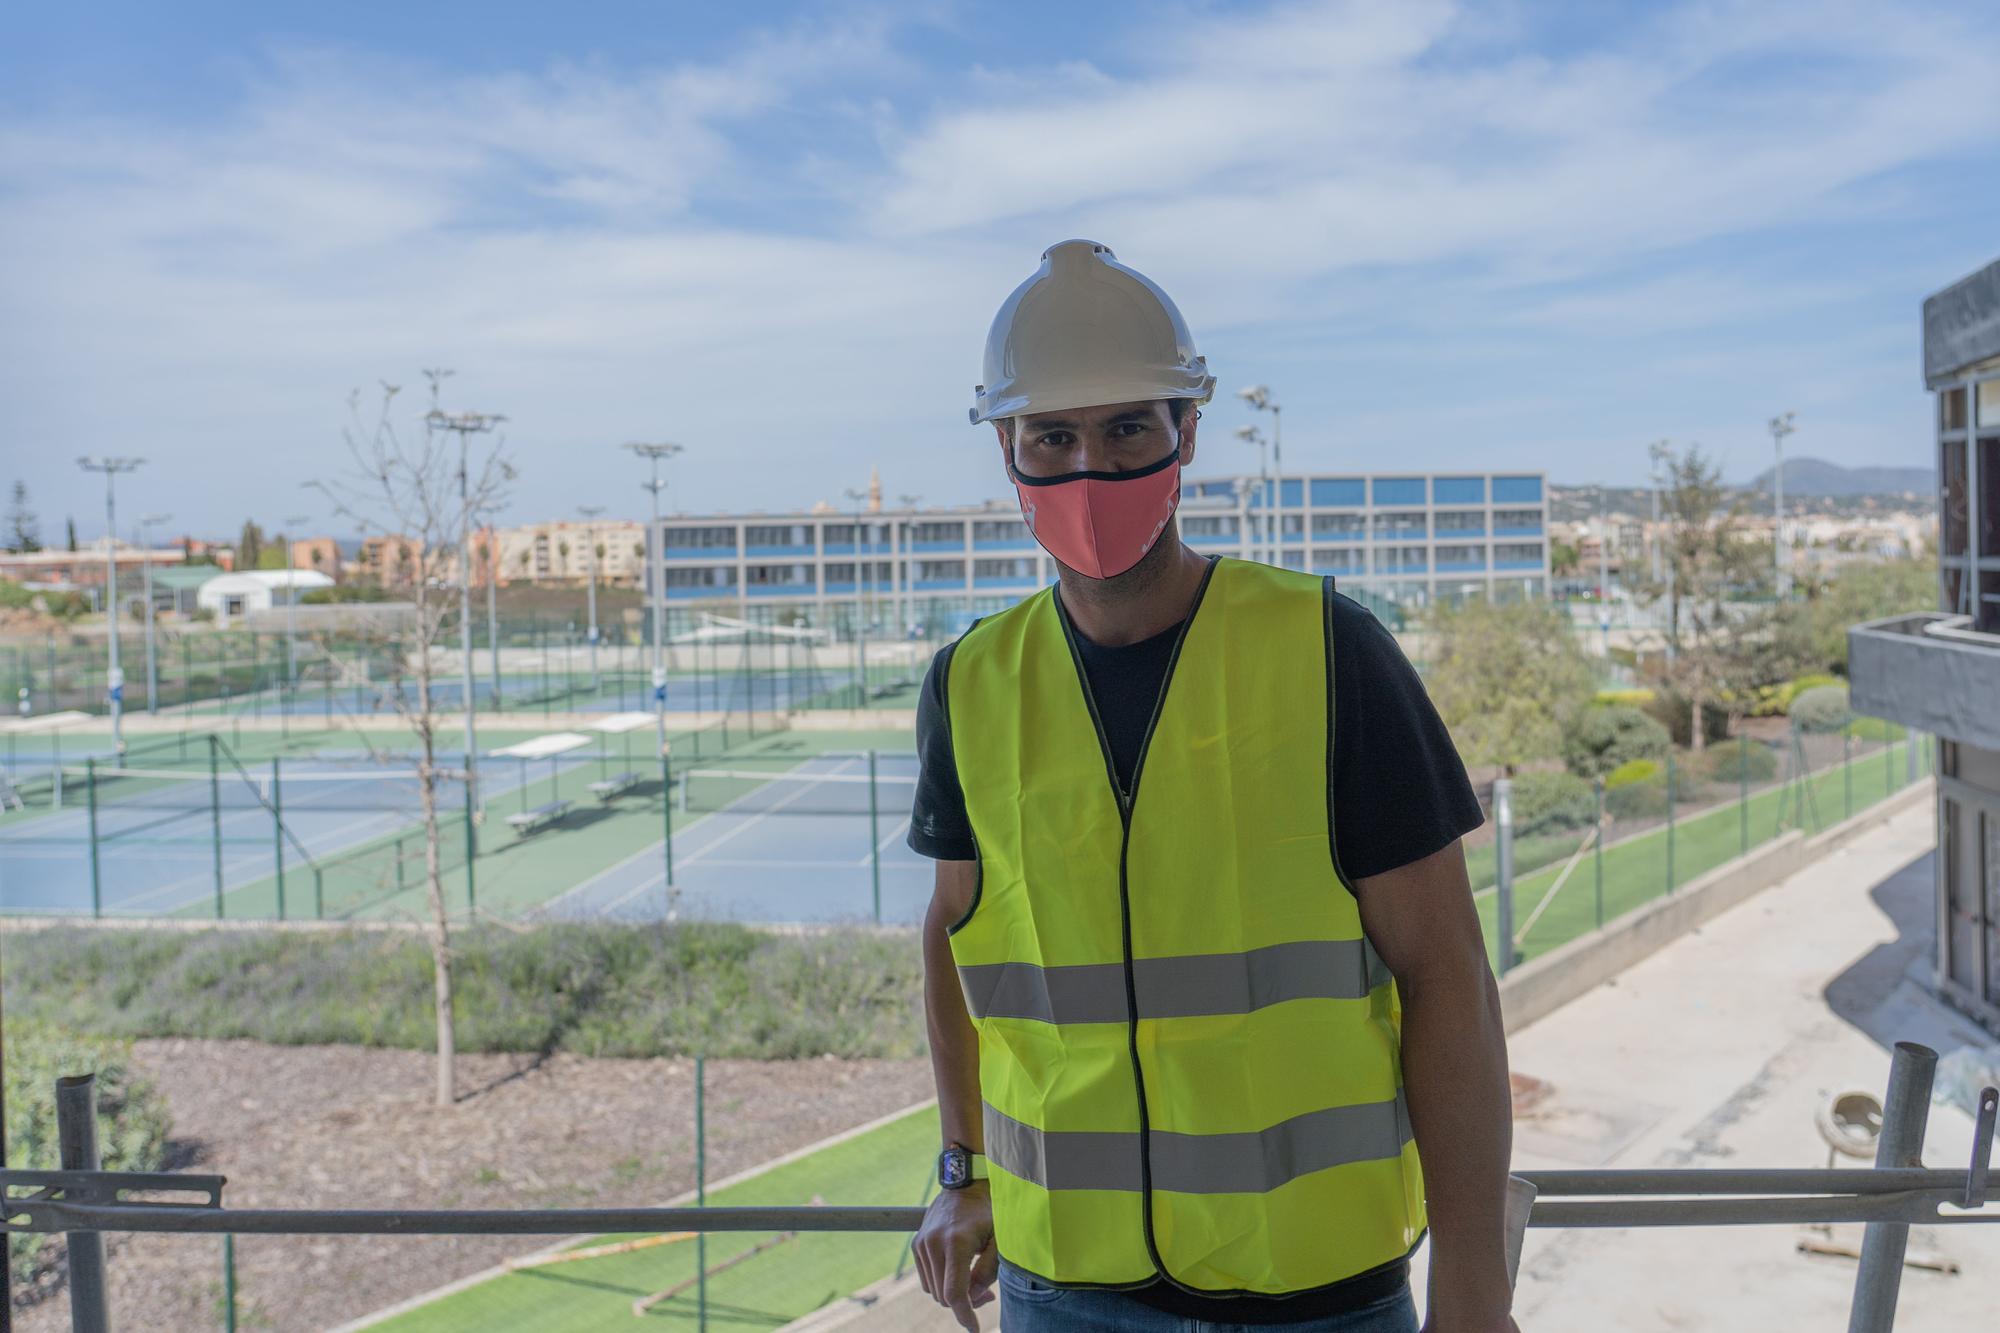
954 1167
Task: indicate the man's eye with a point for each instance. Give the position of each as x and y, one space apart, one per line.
1056 439
1128 429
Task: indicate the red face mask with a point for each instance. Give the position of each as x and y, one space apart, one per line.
1101 524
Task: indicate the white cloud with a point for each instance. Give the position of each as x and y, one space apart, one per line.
769 259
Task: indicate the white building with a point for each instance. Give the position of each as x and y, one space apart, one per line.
232 596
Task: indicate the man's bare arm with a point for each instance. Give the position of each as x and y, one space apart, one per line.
1420 918
956 1261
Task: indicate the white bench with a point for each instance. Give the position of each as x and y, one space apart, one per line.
529 821
610 789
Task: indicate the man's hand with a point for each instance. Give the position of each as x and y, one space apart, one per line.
956 1261
1445 1324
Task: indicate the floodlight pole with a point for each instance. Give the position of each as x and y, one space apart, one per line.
909 502
1258 396
1251 435
1603 572
860 498
114 678
1780 427
590 513
152 660
463 425
292 524
656 577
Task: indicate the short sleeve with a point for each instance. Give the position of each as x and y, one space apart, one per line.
1400 791
939 825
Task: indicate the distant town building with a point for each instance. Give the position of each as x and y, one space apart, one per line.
319 554
562 551
391 561
84 568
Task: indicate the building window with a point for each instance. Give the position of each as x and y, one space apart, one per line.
1459 520
1504 519
1341 560
1395 526
1008 530
789 574
1951 409
940 571
1989 497
1458 490
1509 552
712 576
1461 555
1400 559
1517 490
1349 492
938 532
1004 569
1201 525
1399 490
771 534
701 539
1339 527
1953 492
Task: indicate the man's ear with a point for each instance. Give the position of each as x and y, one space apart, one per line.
1003 427
1188 420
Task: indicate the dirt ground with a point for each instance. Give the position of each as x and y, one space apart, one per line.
348 1127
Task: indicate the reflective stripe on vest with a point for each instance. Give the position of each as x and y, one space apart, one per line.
1188 1049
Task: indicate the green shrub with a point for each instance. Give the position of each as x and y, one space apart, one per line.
1605 737
710 988
1636 790
1634 771
1735 762
1629 698
1552 803
1822 708
132 1122
1874 729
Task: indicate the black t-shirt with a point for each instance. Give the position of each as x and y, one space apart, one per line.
1400 793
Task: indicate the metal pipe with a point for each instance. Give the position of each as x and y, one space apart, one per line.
76 1139
1905 1116
1503 864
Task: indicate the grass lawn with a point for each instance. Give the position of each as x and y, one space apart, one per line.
890 1164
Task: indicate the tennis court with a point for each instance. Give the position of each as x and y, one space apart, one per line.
814 841
152 841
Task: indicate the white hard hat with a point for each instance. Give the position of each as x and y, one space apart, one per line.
1085 331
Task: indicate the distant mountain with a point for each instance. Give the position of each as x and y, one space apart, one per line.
1816 476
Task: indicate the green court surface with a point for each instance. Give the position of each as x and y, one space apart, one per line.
890 1164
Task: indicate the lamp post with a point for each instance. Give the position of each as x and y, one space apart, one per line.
1603 574
1258 396
1251 435
861 582
1781 426
590 513
292 525
463 424
909 502
656 573
152 660
114 676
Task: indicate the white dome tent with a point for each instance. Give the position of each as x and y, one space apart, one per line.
231 596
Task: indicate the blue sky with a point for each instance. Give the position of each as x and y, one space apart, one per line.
1494 235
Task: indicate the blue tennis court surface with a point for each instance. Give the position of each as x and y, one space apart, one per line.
158 837
798 848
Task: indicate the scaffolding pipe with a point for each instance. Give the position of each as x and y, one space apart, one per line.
76 1140
1905 1115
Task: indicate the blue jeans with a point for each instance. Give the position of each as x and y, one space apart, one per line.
1029 1305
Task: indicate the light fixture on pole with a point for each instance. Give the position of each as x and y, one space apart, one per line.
590 513
865 574
114 676
656 573
1259 398
1251 435
152 658
1603 572
1781 426
463 425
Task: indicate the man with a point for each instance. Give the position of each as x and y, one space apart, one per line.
1203 978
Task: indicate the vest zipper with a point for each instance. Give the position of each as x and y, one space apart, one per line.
1126 800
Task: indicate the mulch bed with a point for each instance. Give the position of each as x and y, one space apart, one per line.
351 1127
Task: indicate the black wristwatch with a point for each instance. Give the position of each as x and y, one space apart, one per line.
959 1166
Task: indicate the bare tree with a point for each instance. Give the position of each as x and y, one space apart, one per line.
1709 564
403 487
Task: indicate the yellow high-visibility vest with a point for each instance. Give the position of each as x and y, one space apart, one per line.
1188 1050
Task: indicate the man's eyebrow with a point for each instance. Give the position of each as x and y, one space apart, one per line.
1049 423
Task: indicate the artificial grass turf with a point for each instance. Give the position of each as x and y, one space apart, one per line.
891 1164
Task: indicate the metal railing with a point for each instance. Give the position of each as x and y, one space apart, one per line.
83 1202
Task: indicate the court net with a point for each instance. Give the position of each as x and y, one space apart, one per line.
747 792
397 790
